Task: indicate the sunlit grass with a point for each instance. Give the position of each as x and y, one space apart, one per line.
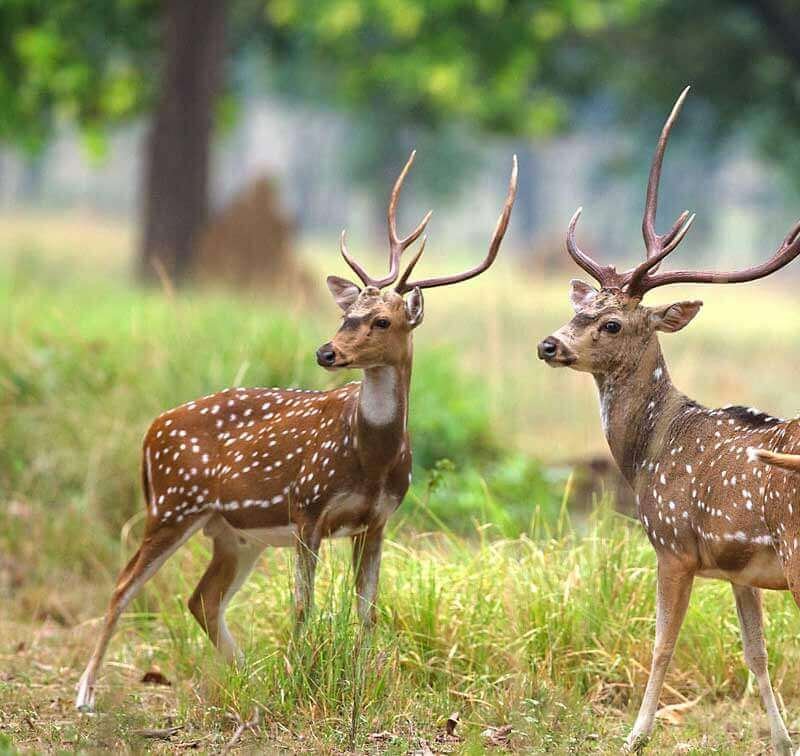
549 632
495 602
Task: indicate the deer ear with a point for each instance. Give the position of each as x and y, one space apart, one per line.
344 292
581 294
673 317
415 307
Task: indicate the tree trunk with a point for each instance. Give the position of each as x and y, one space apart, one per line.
176 178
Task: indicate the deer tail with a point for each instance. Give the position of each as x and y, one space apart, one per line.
147 482
786 461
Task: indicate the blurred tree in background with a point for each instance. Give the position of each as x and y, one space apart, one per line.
742 58
520 68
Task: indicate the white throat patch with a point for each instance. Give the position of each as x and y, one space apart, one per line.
378 401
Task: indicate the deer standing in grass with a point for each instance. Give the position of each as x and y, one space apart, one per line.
707 504
273 467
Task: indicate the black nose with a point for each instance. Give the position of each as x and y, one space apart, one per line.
325 355
548 349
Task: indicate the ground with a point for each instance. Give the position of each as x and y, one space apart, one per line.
499 600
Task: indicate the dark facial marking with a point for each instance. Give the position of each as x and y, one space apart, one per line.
582 320
351 323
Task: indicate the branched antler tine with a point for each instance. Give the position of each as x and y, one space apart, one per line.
635 277
677 238
670 240
594 269
359 271
397 245
792 236
494 245
416 233
651 238
401 282
788 251
394 240
677 226
395 196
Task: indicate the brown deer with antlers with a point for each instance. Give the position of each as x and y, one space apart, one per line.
273 467
709 508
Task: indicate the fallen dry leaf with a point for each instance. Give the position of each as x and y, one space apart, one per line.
498 736
162 733
155 676
452 723
423 750
380 737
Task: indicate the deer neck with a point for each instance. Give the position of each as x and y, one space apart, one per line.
637 406
382 415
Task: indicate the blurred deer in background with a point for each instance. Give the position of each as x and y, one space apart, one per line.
709 508
273 467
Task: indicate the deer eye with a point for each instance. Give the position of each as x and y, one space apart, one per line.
382 323
612 326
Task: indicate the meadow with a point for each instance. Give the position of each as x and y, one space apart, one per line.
499 601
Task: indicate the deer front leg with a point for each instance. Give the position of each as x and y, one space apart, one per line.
307 555
230 566
748 607
792 570
672 599
367 548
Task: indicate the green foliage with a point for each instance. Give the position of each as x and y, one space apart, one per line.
90 62
508 67
509 495
668 44
494 63
86 366
7 747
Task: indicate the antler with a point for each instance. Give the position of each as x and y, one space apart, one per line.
396 245
786 252
605 275
404 285
641 279
659 246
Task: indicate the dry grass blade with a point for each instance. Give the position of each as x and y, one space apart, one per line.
674 712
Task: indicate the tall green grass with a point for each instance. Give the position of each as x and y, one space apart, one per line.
85 367
550 632
493 602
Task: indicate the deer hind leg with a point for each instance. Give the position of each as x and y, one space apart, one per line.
792 566
748 607
674 590
232 562
307 556
158 545
367 549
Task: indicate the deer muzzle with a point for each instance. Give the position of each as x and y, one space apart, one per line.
554 353
326 355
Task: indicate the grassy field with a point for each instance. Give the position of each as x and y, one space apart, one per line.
496 602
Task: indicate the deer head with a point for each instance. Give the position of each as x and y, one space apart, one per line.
378 321
611 328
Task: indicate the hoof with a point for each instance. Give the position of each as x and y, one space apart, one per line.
84 700
635 742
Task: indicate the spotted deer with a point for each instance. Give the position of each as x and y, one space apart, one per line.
272 467
708 506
